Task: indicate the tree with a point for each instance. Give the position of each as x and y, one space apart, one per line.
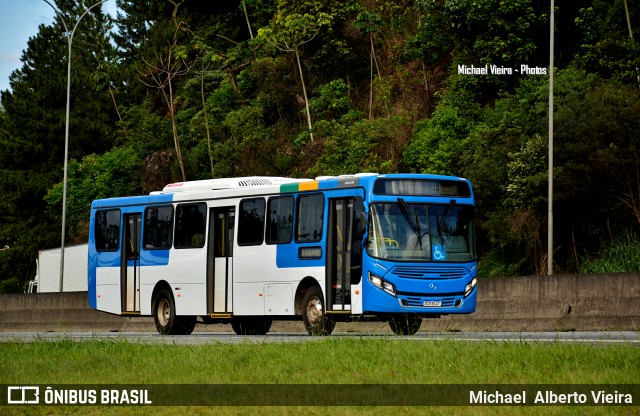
607 43
162 72
115 173
369 23
289 33
32 133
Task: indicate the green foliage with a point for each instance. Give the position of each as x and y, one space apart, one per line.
503 150
527 173
353 146
144 129
114 173
331 101
479 33
620 255
607 48
368 22
505 32
438 142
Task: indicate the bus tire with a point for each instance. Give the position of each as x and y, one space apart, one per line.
257 325
315 319
405 324
188 323
164 316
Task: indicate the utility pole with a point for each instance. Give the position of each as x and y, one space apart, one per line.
550 190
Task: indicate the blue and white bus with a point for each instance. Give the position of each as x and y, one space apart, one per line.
246 251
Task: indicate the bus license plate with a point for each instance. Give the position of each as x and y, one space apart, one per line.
432 303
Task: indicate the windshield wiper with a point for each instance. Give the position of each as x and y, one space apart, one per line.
443 223
413 223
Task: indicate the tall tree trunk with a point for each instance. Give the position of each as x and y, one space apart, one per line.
304 93
206 119
176 140
113 99
626 10
246 16
371 84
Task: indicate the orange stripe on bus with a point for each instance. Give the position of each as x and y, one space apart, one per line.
308 186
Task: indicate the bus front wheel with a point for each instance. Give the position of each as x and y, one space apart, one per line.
313 313
405 324
164 316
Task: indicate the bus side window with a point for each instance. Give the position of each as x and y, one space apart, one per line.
158 226
280 220
251 222
309 220
191 220
107 230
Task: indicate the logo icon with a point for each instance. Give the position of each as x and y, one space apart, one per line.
23 395
438 252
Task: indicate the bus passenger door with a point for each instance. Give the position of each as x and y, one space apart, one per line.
130 266
220 260
344 263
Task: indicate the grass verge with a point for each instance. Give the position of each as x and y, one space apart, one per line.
328 361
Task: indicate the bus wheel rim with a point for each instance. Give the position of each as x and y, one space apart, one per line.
164 312
314 310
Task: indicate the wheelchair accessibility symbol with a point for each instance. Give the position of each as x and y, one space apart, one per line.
438 252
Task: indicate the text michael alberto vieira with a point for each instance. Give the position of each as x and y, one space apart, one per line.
500 70
544 397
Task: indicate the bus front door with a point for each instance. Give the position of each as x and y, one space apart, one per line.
220 260
344 266
130 263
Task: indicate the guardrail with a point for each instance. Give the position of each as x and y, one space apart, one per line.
597 302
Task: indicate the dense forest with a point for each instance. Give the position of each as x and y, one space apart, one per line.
175 90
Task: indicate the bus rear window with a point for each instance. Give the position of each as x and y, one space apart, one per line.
107 230
422 187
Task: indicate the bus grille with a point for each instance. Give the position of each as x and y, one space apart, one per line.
418 302
429 272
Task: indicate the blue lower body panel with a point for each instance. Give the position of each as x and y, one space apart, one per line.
421 289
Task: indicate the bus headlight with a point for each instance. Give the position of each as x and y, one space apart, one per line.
375 280
382 284
469 287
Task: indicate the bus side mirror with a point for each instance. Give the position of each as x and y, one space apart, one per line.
365 238
361 224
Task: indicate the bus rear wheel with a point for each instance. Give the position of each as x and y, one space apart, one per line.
405 324
164 316
313 313
257 325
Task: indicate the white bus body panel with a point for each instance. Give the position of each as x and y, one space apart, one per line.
356 298
278 299
108 290
185 274
262 283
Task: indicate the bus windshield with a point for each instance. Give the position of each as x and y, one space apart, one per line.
421 232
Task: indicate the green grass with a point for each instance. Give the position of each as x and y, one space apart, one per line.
334 360
622 255
327 361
